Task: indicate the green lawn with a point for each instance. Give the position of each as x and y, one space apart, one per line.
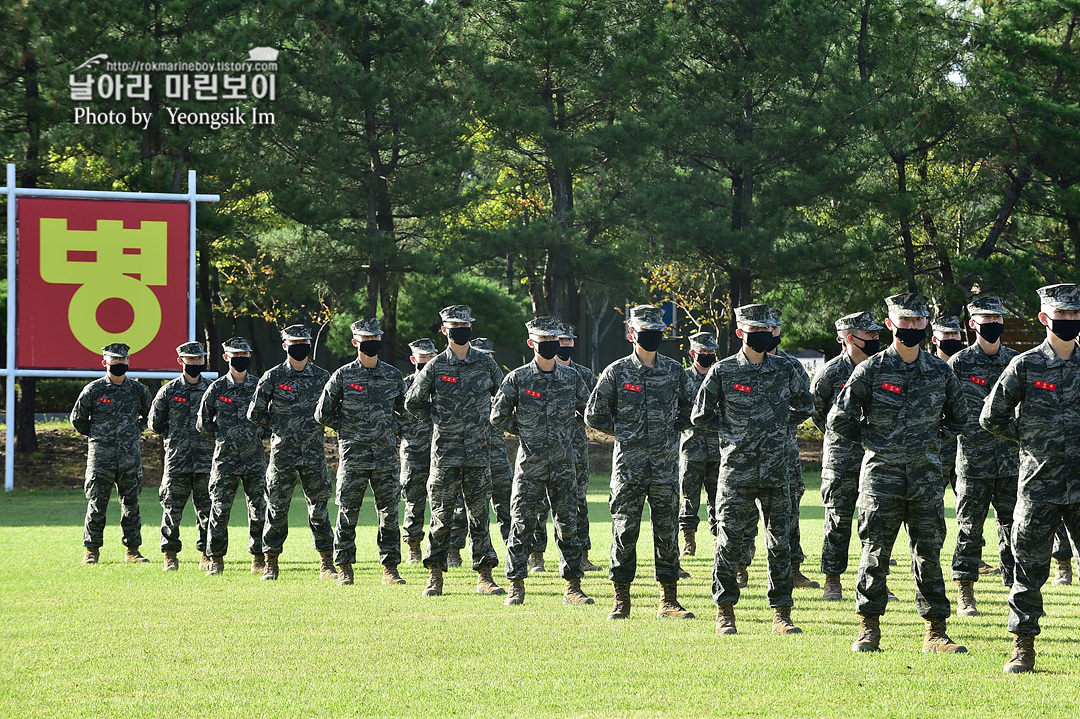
118 640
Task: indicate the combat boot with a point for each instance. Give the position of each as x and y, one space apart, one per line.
683 574
92 556
586 565
669 603
834 591
390 575
415 556
965 600
326 566
1023 658
172 563
453 557
574 594
621 610
1063 576
434 583
271 571
345 574
258 563
132 554
725 619
536 562
204 563
689 543
800 580
516 595
869 634
782 624
485 583
742 577
217 566
937 640
985 568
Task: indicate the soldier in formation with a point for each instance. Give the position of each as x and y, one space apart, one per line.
947 341
699 452
415 455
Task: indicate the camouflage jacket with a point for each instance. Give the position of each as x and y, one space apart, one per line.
899 414
750 405
982 455
415 433
796 417
581 439
540 407
455 396
1036 402
285 402
112 417
645 409
223 417
697 444
839 454
364 406
173 415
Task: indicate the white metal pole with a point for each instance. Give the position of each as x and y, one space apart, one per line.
191 255
9 406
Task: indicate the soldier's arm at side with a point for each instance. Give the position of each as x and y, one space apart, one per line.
686 404
821 391
328 410
205 422
504 407
998 413
144 409
400 418
600 410
418 398
956 407
708 413
581 398
802 403
845 418
259 409
159 413
82 411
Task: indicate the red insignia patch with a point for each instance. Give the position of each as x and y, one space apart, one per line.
227 400
632 387
843 384
891 388
1046 385
533 393
357 387
977 380
743 388
180 399
286 387
448 378
104 400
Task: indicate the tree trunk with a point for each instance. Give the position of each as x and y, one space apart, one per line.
1002 220
26 440
905 222
740 287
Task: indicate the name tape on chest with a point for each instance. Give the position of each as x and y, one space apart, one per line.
448 378
180 399
104 400
891 388
977 380
533 393
743 388
632 387
1046 385
357 387
286 387
226 400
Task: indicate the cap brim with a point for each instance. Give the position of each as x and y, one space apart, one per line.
648 325
367 334
755 323
294 338
460 319
113 354
909 313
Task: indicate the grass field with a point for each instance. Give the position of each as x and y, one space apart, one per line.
117 640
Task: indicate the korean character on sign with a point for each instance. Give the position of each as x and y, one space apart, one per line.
81 90
206 87
263 86
235 87
177 87
110 87
138 87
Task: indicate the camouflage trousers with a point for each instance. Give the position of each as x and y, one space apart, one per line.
839 491
1062 544
174 493
98 488
796 490
973 499
223 489
626 502
280 484
736 518
581 485
1034 525
948 470
350 497
558 486
501 487
879 523
694 475
414 479
445 486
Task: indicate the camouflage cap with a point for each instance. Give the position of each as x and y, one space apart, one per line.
567 332
191 349
703 341
908 304
423 346
457 313
116 349
754 316
483 344
948 323
296 332
858 321
647 317
236 344
366 328
544 326
774 315
986 305
1060 297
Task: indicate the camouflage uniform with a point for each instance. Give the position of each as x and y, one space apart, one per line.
898 413
796 485
239 457
1036 402
363 405
948 444
415 455
188 454
285 402
841 458
455 396
750 406
112 416
987 465
699 455
644 408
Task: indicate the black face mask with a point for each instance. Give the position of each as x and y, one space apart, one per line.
194 371
775 342
118 370
240 364
565 353
758 341
705 360
299 352
990 331
910 337
950 347
1065 329
459 335
370 347
546 348
420 366
649 340
869 347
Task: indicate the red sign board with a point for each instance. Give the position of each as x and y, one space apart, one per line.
95 272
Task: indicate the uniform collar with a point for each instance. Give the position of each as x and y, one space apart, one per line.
471 356
306 371
921 363
771 362
1052 360
978 354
